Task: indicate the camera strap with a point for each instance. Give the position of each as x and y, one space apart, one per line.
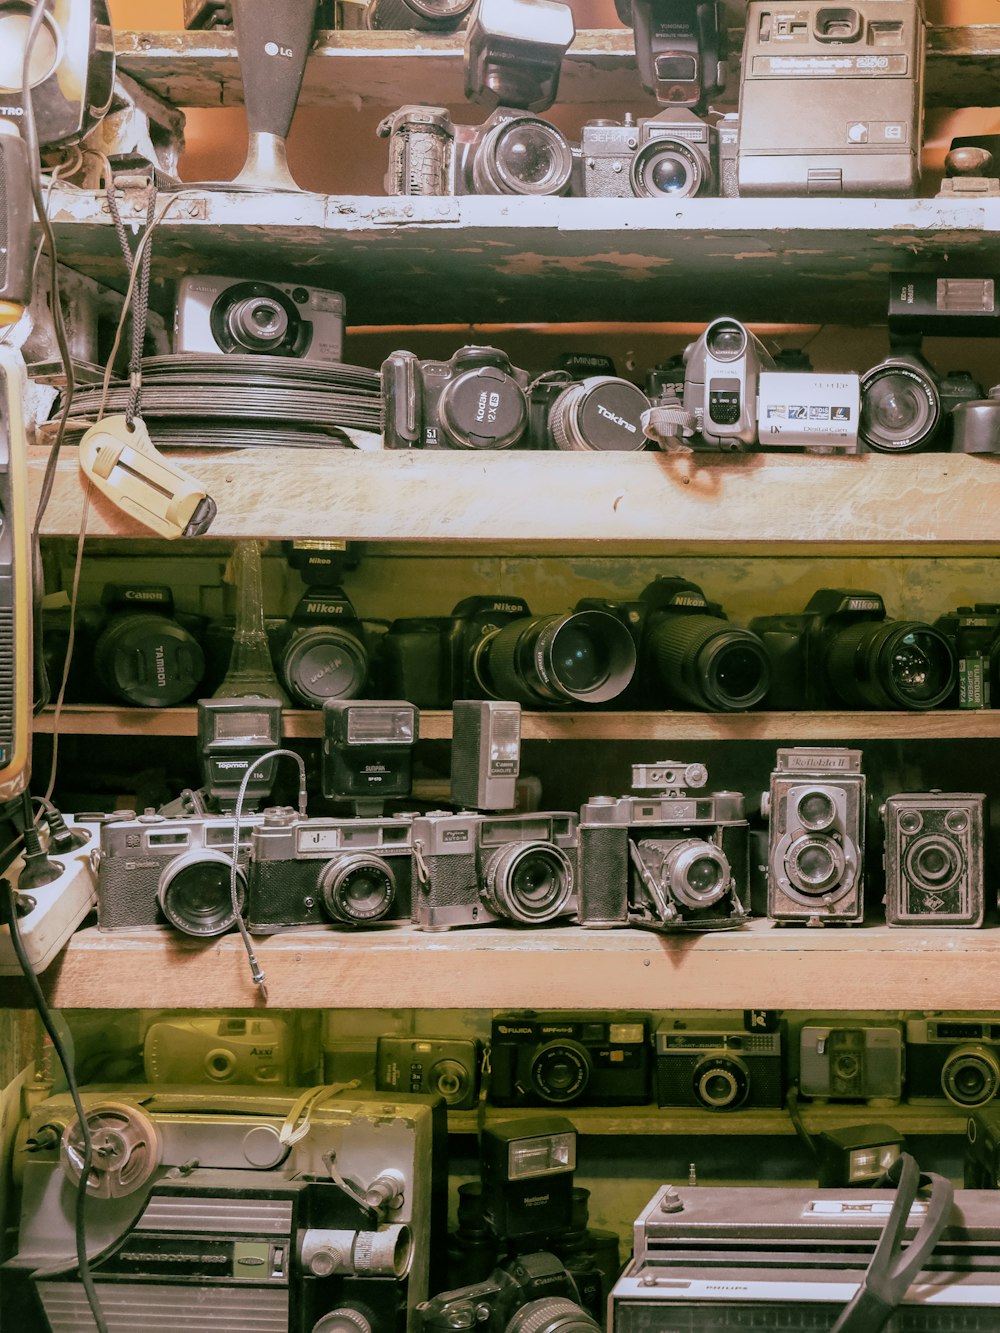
669 426
298 1121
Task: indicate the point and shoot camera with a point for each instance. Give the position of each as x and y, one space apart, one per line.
226 1049
560 1059
446 1067
933 858
841 1062
716 1067
954 1056
228 315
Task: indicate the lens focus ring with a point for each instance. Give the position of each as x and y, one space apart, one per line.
530 882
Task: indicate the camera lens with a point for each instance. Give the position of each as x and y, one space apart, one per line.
194 892
933 863
891 664
721 1082
696 872
816 810
522 155
970 1075
323 663
815 865
667 167
451 1080
357 889
148 660
900 408
560 1071
551 1314
708 663
584 657
483 409
257 323
599 413
726 340
418 15
530 882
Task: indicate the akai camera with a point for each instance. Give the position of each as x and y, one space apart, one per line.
716 1067
220 1049
933 859
229 315
562 1059
476 400
673 155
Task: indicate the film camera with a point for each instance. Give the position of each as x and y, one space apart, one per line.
477 400
974 633
445 1067
717 1068
907 407
851 1063
954 1056
669 860
933 858
477 870
220 1049
673 155
533 1291
589 412
560 1059
262 318
843 650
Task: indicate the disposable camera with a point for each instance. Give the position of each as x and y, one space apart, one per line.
953 1056
260 318
669 859
843 1062
445 1067
335 872
974 633
476 400
155 871
815 808
586 413
480 870
908 408
533 1290
933 858
673 155
843 650
563 1059
220 1049
718 1069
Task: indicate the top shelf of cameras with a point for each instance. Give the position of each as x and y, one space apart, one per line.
387 69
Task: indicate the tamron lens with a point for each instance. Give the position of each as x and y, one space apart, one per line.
900 406
580 657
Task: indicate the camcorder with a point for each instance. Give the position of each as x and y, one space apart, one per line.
843 1062
718 1068
933 858
562 1059
259 318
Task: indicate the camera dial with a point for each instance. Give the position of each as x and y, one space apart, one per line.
522 155
195 894
357 889
721 1082
530 882
970 1075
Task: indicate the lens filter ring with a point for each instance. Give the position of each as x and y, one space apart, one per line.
900 408
522 155
721 1082
529 882
970 1075
357 889
551 1314
816 867
698 873
195 894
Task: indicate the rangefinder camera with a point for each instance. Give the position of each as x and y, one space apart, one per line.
933 859
335 872
220 1049
260 318
718 1069
673 155
851 1063
156 871
955 1056
445 1067
480 870
477 400
559 1059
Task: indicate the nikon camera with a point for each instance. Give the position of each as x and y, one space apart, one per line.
562 1059
933 859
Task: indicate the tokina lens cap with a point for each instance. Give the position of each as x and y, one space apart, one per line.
599 413
484 409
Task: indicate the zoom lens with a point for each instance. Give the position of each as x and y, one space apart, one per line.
560 1071
721 1082
195 895
891 664
529 882
970 1075
522 155
710 664
900 408
148 660
357 889
601 413
933 863
583 657
323 663
257 323
667 168
552 1314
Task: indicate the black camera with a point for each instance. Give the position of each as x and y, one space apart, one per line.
907 408
590 413
716 1068
560 1059
974 632
680 48
843 650
982 1150
445 1067
321 651
933 858
477 400
955 1056
533 1292
417 15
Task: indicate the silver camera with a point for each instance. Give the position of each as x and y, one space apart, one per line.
224 1048
933 858
672 155
956 1056
261 318
815 857
862 1062
721 373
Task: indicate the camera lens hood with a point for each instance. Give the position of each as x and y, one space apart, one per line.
708 663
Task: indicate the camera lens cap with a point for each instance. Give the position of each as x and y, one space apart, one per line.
600 413
483 409
148 660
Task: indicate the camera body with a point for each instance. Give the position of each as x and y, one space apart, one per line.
230 315
973 632
530 1284
672 155
851 1063
718 1069
475 400
479 870
445 1067
226 1049
953 1056
321 651
560 1059
721 373
315 872
982 1150
933 858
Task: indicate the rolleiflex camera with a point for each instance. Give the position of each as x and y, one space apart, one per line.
843 650
445 1067
815 809
560 1059
220 1049
588 412
953 1056
533 1291
717 1068
261 318
974 633
933 859
669 860
838 1062
477 400
673 155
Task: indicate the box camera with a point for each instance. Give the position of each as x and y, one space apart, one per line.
593 413
815 809
478 870
933 859
953 1056
907 407
851 1063
532 1287
669 860
831 99
680 48
843 650
220 1049
717 1069
321 651
261 318
673 155
560 1059
154 871
477 400
445 1067
974 632
339 872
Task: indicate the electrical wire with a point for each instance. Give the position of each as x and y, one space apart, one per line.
795 1115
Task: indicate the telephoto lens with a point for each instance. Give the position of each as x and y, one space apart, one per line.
540 661
891 664
710 664
417 15
900 406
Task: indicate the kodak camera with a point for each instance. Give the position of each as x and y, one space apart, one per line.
670 859
933 859
673 155
479 870
477 400
559 1059
220 1049
717 1069
445 1067
816 834
260 318
337 872
532 1287
831 98
851 1063
953 1056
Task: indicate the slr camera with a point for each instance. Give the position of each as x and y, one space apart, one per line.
953 1056
560 1059
154 871
479 870
321 651
973 632
227 1049
339 872
717 1069
477 400
594 413
851 1063
260 318
445 1067
815 809
533 1291
843 650
494 648
673 155
669 859
907 408
933 859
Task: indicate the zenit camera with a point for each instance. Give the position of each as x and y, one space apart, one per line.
559 1059
533 1291
717 1068
476 400
955 1056
261 318
589 413
841 1062
673 155
933 859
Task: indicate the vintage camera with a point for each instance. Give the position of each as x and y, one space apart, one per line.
842 650
526 1168
445 1067
476 400
717 1068
493 647
974 632
721 373
321 652
669 860
906 407
595 413
815 809
485 753
220 1049
368 751
478 870
680 48
338 872
953 1056
933 859
672 155
261 318
831 99
417 15
560 1059
154 871
851 1063
533 1291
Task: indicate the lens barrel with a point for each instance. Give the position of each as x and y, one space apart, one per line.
417 15
900 408
891 664
721 1082
709 663
970 1075
357 889
600 413
560 1071
581 657
195 894
552 1314
529 882
667 169
522 155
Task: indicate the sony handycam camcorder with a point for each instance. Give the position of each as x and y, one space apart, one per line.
260 318
847 1062
716 1067
559 1059
933 859
955 1056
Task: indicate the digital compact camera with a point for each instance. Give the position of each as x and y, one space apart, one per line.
476 400
261 318
718 1068
672 155
445 1067
847 1062
933 858
955 1056
562 1059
